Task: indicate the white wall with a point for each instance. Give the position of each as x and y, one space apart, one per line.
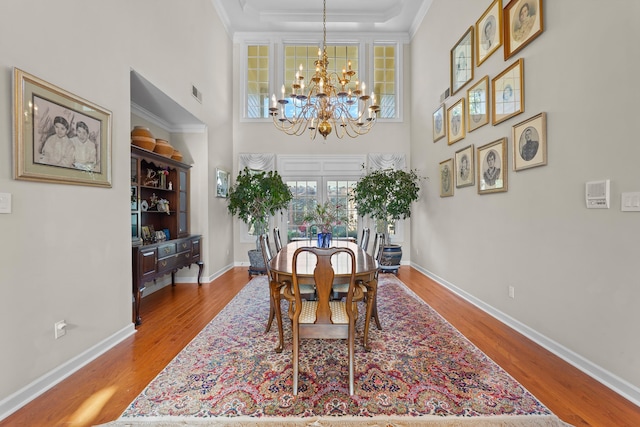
66 249
573 269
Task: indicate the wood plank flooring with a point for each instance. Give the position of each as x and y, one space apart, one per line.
100 392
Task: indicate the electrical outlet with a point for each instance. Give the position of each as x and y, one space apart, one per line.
60 329
512 292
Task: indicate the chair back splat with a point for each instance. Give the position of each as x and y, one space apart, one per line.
324 318
276 239
364 240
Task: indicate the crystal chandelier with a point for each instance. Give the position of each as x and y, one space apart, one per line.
327 103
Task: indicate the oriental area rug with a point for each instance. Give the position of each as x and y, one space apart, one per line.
421 371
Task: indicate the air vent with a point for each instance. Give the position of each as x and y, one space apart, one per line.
196 93
444 95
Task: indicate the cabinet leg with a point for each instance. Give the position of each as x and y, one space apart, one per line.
200 267
137 296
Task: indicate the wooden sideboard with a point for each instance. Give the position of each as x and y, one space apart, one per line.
158 259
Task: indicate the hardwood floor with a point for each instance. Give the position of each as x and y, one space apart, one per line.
100 392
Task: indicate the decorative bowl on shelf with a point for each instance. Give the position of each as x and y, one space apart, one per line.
177 155
141 131
143 138
163 148
144 142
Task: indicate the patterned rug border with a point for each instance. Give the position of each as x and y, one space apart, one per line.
532 420
347 421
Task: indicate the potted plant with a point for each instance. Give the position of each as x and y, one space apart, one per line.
255 196
386 195
324 217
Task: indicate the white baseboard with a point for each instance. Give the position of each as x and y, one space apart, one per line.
25 395
608 379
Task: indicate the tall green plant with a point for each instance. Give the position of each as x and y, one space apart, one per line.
386 195
255 196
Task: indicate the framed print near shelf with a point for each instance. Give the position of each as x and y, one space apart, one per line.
507 93
222 183
465 174
489 32
446 178
439 125
462 61
523 22
59 137
492 167
530 143
455 121
478 104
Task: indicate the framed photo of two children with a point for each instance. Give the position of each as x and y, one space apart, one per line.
59 137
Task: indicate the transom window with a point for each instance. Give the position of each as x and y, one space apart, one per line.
257 81
264 76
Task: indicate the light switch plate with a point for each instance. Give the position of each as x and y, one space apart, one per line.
630 202
5 202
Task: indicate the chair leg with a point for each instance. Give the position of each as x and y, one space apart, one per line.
275 311
351 345
375 312
272 314
296 356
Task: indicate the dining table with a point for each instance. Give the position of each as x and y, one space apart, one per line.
281 266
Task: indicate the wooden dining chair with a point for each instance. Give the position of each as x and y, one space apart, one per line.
276 292
370 291
276 239
323 318
364 240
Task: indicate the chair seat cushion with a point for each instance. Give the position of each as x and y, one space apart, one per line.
304 289
344 287
338 312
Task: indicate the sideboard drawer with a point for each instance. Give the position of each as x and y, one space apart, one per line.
166 250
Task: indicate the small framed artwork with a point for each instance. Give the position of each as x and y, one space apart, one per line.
222 183
492 167
146 234
59 137
134 198
478 104
446 178
465 175
462 61
439 128
530 143
507 93
523 22
489 32
455 121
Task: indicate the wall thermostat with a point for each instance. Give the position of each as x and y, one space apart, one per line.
597 194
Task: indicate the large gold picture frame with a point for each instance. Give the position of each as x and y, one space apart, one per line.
462 62
492 167
507 93
59 137
478 104
489 32
530 143
446 178
456 122
523 22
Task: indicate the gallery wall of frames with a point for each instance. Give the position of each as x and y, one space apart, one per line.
491 99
